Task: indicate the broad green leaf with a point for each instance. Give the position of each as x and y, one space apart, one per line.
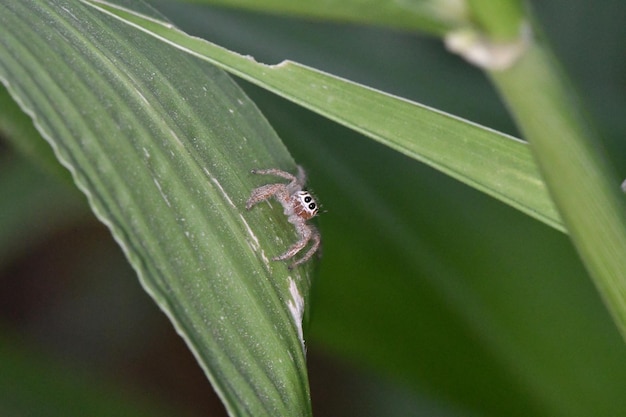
496 164
162 145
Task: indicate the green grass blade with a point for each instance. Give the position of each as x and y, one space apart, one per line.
162 145
567 149
577 172
496 164
433 16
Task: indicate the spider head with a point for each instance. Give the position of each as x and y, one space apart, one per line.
304 205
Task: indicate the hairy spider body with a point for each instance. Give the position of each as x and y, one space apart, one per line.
298 205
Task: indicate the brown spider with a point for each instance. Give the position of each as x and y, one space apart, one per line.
298 205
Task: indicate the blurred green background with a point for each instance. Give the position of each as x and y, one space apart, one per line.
431 299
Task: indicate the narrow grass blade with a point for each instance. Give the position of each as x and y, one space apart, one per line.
579 176
433 16
496 164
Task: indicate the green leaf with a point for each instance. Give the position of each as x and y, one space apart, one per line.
162 145
494 163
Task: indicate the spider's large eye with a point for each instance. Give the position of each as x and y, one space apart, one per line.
308 203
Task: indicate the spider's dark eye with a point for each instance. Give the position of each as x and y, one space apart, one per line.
312 206
308 199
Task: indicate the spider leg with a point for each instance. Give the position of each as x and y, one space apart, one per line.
277 172
295 181
265 192
296 247
317 241
301 176
298 206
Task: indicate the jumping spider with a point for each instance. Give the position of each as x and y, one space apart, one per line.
298 205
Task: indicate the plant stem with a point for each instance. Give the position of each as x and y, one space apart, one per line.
573 164
500 19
